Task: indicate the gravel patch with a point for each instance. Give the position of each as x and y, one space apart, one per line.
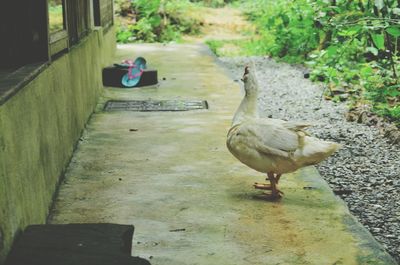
365 173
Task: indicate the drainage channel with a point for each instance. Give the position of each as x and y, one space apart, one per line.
155 105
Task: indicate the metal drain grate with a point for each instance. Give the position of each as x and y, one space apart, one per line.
155 105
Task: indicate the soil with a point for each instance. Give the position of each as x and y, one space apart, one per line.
225 23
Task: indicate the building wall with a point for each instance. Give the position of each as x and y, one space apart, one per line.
39 128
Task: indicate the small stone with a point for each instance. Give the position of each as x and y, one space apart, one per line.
376 230
380 196
377 206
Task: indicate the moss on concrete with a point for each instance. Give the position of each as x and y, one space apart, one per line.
39 128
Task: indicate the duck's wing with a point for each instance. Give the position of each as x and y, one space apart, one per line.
291 125
296 126
270 138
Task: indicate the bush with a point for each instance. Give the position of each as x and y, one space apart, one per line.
350 45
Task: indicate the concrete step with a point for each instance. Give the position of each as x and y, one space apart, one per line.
74 244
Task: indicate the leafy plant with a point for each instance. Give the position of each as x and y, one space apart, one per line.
353 46
289 23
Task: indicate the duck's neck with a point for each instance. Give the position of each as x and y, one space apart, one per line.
247 109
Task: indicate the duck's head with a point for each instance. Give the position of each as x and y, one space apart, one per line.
250 81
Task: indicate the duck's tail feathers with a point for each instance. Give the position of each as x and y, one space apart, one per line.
315 150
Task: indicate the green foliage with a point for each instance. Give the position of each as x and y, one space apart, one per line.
353 46
284 28
156 20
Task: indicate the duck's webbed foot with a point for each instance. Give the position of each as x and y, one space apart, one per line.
262 186
275 193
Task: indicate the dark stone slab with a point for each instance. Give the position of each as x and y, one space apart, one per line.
74 244
112 76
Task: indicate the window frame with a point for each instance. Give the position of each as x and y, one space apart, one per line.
25 49
99 19
79 21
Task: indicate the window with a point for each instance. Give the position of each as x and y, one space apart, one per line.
23 33
69 21
33 32
23 45
58 36
56 16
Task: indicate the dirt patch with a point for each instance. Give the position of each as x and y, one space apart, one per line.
225 23
365 116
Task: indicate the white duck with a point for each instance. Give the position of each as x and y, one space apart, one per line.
271 146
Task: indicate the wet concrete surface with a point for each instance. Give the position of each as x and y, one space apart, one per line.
171 176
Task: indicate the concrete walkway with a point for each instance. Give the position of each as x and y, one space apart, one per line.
171 176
